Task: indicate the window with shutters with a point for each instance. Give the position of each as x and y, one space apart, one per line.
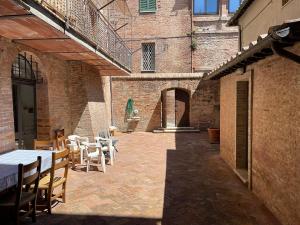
148 57
147 6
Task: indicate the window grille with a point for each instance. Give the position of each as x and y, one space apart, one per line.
148 60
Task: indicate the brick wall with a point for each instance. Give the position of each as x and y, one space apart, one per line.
275 133
146 92
72 96
168 29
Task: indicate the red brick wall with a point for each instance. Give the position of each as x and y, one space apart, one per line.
71 96
146 93
168 28
275 133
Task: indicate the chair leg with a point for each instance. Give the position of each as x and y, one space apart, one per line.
87 165
16 217
64 193
103 162
33 216
49 201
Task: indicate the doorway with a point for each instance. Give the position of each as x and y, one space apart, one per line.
182 108
242 121
23 74
175 108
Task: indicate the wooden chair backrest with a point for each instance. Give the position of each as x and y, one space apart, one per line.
33 179
59 160
43 145
61 143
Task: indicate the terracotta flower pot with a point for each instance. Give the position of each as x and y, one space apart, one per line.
214 135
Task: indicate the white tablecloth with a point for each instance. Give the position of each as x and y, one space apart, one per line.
9 164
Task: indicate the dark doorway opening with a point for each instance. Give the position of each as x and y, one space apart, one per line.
23 75
242 117
182 108
175 108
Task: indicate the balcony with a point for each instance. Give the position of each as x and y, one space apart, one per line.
71 29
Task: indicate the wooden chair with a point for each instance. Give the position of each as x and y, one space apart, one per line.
21 198
43 145
51 181
61 143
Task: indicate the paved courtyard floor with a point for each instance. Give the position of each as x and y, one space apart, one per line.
166 179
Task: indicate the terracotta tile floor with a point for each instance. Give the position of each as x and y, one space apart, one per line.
164 179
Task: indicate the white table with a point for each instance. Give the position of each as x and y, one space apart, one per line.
9 164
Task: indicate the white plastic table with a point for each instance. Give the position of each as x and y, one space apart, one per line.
9 164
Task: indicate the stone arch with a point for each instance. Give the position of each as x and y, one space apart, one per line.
175 107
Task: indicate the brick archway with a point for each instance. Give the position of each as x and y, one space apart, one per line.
37 88
175 107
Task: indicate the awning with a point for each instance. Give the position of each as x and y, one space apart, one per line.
276 40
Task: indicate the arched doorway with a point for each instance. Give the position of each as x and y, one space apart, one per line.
175 108
24 78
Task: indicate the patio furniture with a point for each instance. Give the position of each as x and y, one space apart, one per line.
9 165
107 148
105 135
76 147
60 160
97 154
15 201
43 145
61 143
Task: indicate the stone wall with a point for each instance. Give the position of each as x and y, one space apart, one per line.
71 96
275 133
146 92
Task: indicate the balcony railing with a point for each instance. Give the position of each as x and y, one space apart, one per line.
84 17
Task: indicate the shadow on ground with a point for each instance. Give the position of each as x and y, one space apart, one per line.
200 189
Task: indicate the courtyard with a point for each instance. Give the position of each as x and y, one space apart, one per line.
160 179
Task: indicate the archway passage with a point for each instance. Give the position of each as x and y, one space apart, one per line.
23 73
175 108
182 108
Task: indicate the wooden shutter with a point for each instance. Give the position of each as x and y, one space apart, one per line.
147 5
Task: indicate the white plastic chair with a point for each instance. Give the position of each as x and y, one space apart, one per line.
76 145
107 147
97 154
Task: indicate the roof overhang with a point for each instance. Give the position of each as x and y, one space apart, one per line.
277 38
28 23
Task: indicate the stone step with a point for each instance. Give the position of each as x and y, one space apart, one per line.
177 130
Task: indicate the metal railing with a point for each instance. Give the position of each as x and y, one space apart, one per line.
84 17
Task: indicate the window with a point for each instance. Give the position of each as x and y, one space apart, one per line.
148 54
147 5
233 5
204 7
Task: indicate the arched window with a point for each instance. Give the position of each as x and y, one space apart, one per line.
24 69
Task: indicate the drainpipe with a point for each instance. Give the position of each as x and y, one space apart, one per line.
278 45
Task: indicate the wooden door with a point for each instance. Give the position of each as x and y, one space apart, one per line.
182 108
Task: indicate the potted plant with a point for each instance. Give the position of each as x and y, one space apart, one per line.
214 135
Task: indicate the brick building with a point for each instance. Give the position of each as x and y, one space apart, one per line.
53 60
260 104
173 43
